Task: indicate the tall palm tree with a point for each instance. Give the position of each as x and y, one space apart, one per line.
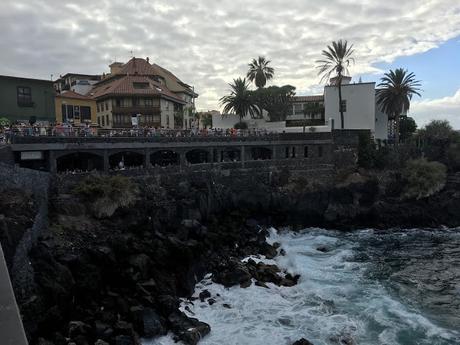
336 59
395 92
260 72
240 101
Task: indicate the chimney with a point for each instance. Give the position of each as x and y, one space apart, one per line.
115 68
345 80
147 59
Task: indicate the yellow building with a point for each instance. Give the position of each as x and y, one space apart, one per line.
74 108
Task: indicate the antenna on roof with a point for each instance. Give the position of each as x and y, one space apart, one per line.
131 53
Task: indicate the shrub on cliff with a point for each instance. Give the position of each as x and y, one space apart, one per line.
105 194
423 178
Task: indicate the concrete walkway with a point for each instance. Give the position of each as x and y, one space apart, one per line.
11 329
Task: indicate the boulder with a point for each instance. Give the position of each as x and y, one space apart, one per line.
152 324
186 329
204 294
302 341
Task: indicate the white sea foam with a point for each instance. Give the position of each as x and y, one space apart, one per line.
333 303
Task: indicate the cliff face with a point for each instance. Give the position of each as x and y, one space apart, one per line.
117 275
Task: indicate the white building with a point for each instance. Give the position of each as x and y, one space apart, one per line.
359 105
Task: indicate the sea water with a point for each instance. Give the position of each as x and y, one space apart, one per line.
367 287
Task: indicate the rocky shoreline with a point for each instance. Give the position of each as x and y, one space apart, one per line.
111 272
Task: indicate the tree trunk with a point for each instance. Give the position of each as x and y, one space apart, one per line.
342 124
396 129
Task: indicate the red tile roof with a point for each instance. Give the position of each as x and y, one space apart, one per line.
123 85
318 98
73 95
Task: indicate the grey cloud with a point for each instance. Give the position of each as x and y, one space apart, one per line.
210 42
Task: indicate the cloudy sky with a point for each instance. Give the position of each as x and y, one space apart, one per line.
207 43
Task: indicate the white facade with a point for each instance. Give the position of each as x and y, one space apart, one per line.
381 124
167 113
359 103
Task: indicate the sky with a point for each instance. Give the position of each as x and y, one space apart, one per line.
208 43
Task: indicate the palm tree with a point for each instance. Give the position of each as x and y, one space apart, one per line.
395 93
337 59
260 72
240 101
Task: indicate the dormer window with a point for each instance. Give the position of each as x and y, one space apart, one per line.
138 85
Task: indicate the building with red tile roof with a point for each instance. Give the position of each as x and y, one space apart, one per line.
143 93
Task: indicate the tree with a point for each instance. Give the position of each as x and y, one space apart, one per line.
437 138
337 58
275 100
260 72
396 91
240 101
407 127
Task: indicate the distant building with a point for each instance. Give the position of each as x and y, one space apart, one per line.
320 113
143 93
306 111
74 108
79 83
23 99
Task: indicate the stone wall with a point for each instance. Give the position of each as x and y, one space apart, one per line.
35 183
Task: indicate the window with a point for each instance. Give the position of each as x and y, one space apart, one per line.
24 96
344 105
98 120
293 152
320 151
107 120
103 121
76 112
149 102
67 112
298 109
85 113
97 107
106 105
118 102
305 151
136 102
287 152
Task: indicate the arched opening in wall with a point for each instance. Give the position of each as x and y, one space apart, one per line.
126 159
164 158
79 162
261 153
230 155
197 156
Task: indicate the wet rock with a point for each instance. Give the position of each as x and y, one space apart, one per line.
152 324
211 301
188 330
101 342
261 284
226 305
124 340
167 304
231 273
78 328
246 284
324 249
204 294
302 341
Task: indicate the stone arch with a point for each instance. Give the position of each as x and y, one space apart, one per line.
164 158
128 159
197 156
230 154
79 161
261 153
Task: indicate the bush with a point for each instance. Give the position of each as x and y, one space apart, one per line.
241 125
423 178
366 151
106 194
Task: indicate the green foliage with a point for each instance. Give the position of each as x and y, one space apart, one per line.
423 178
205 118
366 151
4 121
260 72
275 100
438 141
241 125
407 128
106 194
240 101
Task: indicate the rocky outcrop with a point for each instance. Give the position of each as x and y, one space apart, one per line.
116 278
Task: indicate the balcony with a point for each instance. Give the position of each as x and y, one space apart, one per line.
137 109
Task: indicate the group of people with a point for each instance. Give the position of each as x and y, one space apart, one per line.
68 130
